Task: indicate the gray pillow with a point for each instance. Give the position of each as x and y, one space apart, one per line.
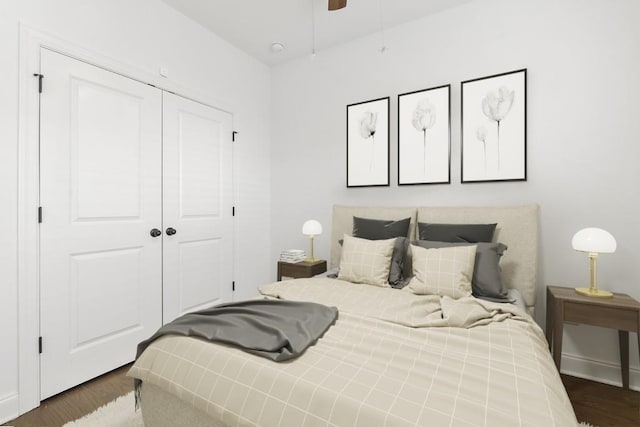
470 233
380 229
487 280
396 276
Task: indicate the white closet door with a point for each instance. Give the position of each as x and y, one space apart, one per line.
100 279
197 189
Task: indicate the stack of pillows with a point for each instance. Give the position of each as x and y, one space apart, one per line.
455 260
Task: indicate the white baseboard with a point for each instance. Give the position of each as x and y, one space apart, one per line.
9 407
598 370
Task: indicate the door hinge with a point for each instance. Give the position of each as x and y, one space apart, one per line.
39 214
39 345
233 211
40 77
233 285
233 136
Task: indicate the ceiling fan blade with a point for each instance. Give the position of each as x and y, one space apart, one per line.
337 4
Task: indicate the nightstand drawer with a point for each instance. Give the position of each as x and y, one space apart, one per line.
301 269
606 317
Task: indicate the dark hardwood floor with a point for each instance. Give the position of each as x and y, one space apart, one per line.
78 401
603 405
596 403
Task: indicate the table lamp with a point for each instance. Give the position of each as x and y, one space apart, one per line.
594 241
311 228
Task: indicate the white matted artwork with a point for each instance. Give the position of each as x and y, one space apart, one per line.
494 128
424 124
368 143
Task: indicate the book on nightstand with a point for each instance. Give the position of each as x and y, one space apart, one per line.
292 255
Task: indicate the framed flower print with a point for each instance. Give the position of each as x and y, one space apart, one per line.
424 136
494 128
368 143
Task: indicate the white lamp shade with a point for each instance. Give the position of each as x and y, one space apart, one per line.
594 240
311 228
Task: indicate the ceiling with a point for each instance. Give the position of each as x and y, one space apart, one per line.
253 25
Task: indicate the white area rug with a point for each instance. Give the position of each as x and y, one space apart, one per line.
121 413
117 413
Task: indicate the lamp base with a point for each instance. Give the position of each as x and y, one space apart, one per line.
596 293
311 260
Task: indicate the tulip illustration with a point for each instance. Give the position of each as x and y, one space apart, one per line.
368 130
481 134
424 117
496 105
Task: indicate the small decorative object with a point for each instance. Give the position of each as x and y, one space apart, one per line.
424 130
494 128
593 241
311 228
292 255
368 143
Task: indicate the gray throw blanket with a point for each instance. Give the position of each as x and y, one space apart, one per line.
274 329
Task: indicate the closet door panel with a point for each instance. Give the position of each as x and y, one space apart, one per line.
197 188
100 191
199 265
199 145
106 145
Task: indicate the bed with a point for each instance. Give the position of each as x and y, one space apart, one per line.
393 358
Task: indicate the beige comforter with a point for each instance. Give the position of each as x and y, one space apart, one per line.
391 359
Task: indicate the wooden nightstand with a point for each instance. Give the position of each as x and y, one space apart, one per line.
620 312
301 269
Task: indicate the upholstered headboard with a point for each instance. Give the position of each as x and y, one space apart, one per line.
517 228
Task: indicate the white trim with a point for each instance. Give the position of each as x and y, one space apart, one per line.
31 42
598 370
28 197
9 407
234 219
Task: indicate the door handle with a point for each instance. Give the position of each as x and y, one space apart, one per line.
170 231
155 232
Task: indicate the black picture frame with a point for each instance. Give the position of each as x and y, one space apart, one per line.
493 133
368 143
424 136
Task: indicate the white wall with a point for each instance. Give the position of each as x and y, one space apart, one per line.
583 134
142 35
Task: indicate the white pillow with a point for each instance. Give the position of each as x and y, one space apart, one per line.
366 261
442 271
